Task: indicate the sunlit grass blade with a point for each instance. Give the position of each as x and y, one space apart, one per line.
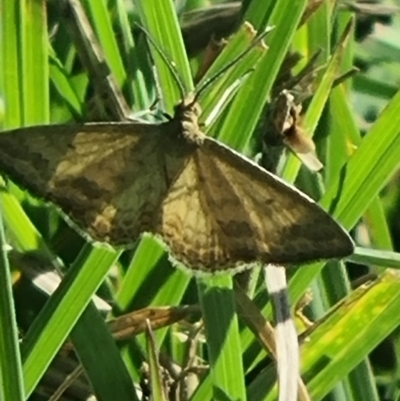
358 326
243 41
11 377
102 23
156 380
35 66
101 358
57 318
223 339
161 22
369 169
376 257
11 82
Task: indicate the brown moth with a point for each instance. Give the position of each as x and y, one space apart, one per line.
213 207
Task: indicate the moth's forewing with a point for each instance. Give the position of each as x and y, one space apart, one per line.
107 178
223 211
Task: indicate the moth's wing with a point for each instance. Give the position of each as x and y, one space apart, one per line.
186 224
108 178
223 211
261 217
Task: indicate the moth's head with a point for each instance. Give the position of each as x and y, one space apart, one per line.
187 106
187 112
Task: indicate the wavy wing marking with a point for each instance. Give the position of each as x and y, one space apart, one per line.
108 178
278 223
185 223
223 211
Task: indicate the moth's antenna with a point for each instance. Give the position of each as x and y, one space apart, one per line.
167 62
228 94
209 81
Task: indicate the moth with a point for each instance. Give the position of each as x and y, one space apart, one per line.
214 208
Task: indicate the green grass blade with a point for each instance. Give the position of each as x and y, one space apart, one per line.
223 340
11 377
376 257
357 325
369 169
10 62
101 358
62 311
160 21
102 24
255 91
35 66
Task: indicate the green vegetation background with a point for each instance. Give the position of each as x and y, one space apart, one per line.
358 139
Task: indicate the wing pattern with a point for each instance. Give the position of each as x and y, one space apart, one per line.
223 211
107 178
214 208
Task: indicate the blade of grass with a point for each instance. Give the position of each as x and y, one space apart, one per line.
369 169
91 52
365 256
61 81
356 324
11 377
35 67
156 382
255 91
242 41
101 358
10 62
61 312
101 21
223 340
133 54
160 21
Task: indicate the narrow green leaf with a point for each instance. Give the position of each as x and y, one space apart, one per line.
11 377
101 358
160 21
223 338
61 312
35 67
255 91
365 319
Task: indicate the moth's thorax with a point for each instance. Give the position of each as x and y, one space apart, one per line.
187 113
